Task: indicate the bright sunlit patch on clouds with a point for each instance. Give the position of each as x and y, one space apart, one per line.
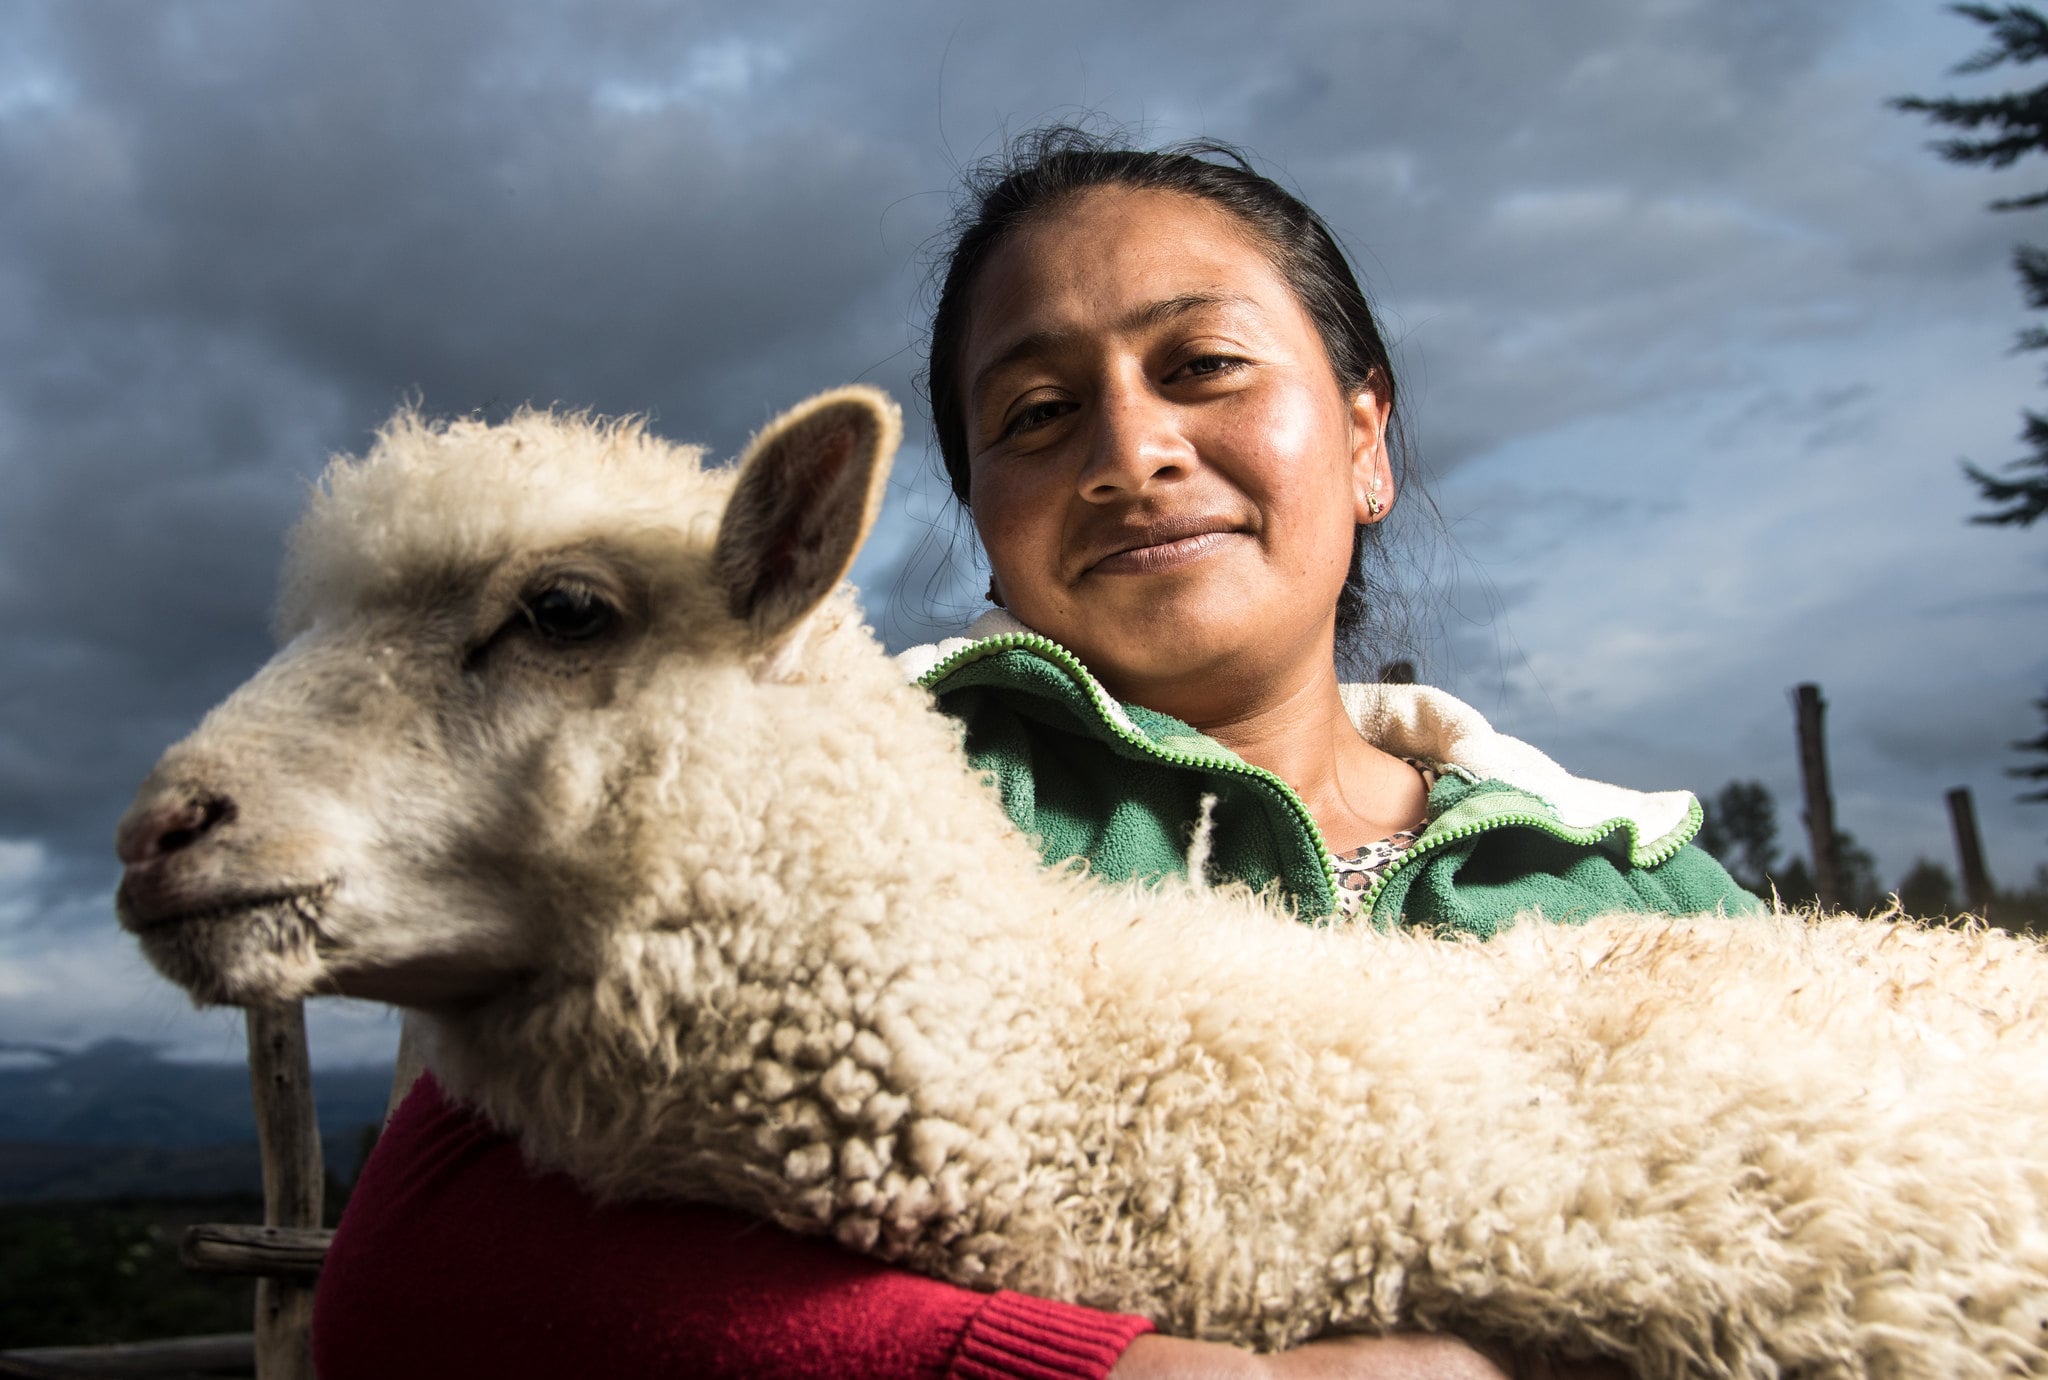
711 74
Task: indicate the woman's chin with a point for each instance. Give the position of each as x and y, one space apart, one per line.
1173 667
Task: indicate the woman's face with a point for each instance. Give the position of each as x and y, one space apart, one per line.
1163 468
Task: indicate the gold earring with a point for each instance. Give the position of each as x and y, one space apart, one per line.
1373 506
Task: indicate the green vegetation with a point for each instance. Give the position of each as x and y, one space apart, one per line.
87 1273
78 1274
1929 889
1741 829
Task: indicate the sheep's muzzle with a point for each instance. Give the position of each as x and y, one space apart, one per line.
241 951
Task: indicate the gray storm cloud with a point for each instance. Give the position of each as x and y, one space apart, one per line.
1619 245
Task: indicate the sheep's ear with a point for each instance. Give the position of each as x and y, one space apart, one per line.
808 490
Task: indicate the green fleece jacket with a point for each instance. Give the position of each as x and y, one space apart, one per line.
1508 830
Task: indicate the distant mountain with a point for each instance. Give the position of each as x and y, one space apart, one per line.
115 1119
33 1171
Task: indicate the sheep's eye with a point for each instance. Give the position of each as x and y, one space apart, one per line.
567 614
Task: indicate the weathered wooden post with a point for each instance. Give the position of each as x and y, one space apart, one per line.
1962 815
411 1061
1820 801
281 1083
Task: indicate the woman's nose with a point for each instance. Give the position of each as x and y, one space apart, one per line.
1137 442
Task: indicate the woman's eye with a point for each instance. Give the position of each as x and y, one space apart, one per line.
567 614
1202 366
1036 415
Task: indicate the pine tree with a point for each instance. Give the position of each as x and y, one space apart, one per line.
1928 890
1862 894
2013 125
1741 829
2016 124
2034 771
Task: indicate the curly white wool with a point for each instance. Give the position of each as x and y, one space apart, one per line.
774 947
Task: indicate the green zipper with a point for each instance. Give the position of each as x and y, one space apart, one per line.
1100 700
1431 840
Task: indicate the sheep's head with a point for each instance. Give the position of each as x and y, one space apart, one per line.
358 817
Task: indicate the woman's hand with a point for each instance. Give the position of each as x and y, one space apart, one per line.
1409 1356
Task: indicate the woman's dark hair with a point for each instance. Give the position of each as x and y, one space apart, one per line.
1046 167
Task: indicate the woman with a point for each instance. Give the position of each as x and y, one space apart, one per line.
1163 398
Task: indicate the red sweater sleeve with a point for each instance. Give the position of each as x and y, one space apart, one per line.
455 1259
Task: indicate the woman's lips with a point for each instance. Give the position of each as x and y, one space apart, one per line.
1150 558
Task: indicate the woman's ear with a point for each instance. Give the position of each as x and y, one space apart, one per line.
1372 470
809 488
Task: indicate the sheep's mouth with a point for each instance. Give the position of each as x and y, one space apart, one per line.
305 902
246 949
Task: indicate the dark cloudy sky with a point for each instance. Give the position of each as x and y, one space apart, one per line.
1693 332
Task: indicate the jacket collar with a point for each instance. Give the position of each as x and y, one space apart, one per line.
1422 721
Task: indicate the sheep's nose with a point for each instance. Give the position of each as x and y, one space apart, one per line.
167 826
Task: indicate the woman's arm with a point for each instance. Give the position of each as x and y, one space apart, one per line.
453 1258
1154 1357
1406 1357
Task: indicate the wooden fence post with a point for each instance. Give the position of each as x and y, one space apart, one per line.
410 1064
1962 815
1820 801
281 1084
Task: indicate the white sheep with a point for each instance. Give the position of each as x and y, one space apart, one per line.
582 750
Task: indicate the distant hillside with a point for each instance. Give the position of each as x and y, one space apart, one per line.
115 1120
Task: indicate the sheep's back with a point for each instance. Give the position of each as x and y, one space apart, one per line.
1570 1131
